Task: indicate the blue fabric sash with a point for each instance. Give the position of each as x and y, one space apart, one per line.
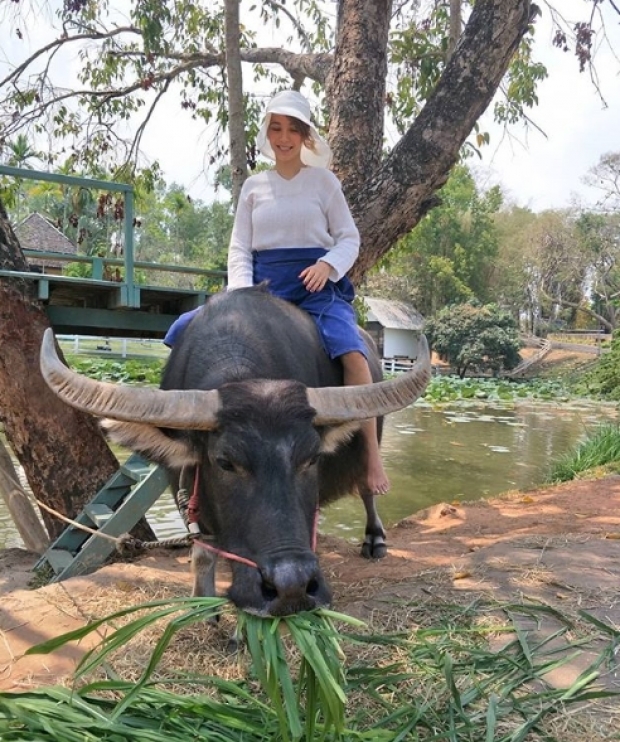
282 266
330 308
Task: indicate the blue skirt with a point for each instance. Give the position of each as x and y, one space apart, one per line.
330 308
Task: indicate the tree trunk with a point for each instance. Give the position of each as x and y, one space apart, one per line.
236 129
356 90
387 202
456 17
63 452
19 506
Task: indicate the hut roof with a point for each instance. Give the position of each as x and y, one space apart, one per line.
395 315
36 232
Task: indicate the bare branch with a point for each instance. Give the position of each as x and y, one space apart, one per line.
63 41
305 41
135 145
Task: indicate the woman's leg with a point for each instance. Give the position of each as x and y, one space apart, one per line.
356 371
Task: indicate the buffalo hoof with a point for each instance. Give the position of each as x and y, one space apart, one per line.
234 644
374 547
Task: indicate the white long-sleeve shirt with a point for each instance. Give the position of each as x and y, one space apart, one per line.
308 210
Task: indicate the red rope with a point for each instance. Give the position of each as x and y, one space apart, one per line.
192 514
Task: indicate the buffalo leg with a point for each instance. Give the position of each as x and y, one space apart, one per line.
203 571
374 546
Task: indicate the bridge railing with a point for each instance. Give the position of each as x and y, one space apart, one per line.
130 293
99 264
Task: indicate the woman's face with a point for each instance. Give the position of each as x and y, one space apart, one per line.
285 138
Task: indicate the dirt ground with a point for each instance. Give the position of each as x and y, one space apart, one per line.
558 545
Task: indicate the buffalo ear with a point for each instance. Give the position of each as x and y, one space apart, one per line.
152 443
334 436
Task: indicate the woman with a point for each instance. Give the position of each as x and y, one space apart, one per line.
293 228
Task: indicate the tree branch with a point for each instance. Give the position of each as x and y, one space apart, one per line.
63 41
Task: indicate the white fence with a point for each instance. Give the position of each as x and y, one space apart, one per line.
112 346
396 365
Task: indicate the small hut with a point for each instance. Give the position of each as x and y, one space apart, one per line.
36 232
395 327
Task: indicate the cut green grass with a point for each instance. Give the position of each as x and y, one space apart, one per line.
324 676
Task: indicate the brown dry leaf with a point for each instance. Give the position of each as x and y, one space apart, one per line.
462 575
124 586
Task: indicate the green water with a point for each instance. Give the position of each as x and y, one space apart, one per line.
432 456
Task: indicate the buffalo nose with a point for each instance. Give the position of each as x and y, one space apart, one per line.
293 584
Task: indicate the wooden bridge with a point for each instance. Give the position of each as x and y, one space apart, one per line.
100 304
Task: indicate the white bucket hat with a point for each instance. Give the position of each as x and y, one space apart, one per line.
293 103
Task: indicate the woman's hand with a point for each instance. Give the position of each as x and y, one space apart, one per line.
315 277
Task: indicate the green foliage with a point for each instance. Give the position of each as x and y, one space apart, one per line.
320 677
170 227
602 448
448 257
89 217
436 680
78 270
361 310
419 52
177 229
475 391
511 279
521 84
136 56
597 235
129 371
475 338
604 380
145 51
558 268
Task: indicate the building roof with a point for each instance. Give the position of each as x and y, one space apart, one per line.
394 315
36 232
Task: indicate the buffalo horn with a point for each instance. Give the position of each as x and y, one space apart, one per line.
182 409
335 405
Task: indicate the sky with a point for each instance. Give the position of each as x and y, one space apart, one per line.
545 169
541 167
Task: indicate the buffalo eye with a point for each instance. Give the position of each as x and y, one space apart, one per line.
225 464
309 463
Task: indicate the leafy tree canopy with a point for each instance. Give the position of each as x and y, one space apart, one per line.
474 338
605 378
135 54
449 257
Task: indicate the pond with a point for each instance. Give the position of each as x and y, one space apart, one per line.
465 453
462 452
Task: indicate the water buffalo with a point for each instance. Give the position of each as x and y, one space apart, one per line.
250 399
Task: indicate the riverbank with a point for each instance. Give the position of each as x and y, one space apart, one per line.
558 546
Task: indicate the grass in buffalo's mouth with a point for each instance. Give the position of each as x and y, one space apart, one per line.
323 676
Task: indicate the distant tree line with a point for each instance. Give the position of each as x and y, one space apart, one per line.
557 269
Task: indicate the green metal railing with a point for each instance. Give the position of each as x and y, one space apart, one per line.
131 290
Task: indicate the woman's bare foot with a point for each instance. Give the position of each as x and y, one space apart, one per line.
378 482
